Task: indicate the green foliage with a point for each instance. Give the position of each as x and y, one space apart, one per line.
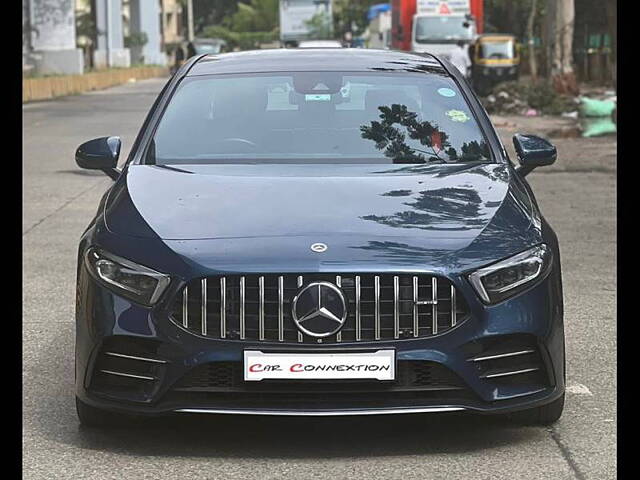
136 39
349 13
509 16
85 26
210 12
256 16
320 26
250 25
241 40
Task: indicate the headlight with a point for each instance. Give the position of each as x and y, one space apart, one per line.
509 277
133 281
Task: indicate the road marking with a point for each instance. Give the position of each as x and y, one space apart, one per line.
579 389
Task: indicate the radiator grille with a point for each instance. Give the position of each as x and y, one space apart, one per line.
379 307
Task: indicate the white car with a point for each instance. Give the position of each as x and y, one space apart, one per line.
320 44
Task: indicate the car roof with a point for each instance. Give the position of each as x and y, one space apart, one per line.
314 59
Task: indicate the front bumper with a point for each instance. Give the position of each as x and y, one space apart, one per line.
529 321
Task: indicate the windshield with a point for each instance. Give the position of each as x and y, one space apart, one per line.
438 29
497 50
318 117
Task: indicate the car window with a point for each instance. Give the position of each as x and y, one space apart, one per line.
318 117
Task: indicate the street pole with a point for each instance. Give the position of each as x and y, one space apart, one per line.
190 20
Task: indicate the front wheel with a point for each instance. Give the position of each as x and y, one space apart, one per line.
544 415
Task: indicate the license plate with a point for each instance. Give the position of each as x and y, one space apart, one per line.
378 365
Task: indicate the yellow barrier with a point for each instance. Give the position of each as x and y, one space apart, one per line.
50 87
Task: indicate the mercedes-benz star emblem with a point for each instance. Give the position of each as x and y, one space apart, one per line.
319 247
319 309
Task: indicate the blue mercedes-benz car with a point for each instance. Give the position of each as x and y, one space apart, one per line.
318 232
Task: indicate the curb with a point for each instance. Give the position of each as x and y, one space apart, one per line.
34 89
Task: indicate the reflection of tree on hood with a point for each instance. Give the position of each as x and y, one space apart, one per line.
451 208
392 141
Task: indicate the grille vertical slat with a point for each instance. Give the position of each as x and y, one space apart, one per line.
358 320
300 283
396 307
185 307
242 307
203 319
376 287
223 307
280 309
434 305
261 308
257 307
416 318
339 284
453 306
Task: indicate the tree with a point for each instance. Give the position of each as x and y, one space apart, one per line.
351 15
320 26
252 24
612 18
560 23
256 16
210 12
533 64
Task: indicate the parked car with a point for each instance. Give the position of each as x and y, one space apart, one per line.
337 240
320 44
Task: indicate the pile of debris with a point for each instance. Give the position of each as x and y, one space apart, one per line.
528 99
594 111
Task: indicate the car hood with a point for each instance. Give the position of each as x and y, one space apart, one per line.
365 212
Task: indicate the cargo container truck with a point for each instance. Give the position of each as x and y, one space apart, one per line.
435 26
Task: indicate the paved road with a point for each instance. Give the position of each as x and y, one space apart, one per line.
59 200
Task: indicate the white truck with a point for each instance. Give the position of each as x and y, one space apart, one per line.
294 15
438 25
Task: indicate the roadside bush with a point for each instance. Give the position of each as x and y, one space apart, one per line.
241 40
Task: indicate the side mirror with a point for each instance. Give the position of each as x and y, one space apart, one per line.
100 154
533 152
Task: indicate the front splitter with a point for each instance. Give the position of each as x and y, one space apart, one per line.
321 413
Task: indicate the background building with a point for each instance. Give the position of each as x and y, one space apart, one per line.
49 37
111 33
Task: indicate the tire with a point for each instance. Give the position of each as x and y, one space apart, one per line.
95 417
545 415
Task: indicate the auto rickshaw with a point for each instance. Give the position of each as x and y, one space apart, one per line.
495 58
